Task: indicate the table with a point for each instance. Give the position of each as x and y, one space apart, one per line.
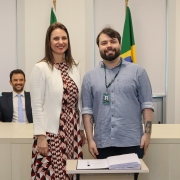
163 155
15 151
104 174
162 158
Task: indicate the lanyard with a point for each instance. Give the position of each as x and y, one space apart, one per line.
107 85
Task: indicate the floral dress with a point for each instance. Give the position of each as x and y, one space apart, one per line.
67 143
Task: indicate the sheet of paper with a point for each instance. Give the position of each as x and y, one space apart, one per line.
92 164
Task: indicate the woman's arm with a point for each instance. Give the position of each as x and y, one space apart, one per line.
37 90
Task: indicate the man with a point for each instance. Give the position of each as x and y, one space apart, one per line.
114 96
16 106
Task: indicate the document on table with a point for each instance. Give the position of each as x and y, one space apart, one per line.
126 161
92 164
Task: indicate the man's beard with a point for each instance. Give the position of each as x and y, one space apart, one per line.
18 90
110 57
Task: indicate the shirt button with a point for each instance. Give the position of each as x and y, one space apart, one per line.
112 115
112 126
112 91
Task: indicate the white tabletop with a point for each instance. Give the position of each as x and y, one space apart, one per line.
72 164
161 133
16 132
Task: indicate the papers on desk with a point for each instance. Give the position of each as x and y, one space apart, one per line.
121 162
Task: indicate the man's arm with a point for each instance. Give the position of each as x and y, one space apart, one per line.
88 125
147 117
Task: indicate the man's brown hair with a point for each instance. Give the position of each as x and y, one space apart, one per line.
111 33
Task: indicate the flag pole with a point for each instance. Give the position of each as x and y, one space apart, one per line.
54 2
126 4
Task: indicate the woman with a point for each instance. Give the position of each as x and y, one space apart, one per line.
55 97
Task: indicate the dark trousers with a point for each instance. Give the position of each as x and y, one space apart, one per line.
113 151
77 176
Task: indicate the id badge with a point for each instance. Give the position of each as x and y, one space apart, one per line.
106 98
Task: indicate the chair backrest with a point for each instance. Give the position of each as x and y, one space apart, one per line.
5 93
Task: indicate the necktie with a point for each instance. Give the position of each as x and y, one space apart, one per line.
20 109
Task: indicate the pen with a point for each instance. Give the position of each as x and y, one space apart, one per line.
88 164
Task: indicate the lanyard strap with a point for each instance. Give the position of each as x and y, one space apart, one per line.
107 85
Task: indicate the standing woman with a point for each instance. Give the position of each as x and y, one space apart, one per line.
56 104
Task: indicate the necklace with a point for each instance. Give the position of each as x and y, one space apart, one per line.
106 95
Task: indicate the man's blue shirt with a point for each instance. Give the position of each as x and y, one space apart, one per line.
119 123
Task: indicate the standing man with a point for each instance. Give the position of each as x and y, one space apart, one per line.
16 106
114 95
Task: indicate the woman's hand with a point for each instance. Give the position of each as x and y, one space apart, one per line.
42 145
83 137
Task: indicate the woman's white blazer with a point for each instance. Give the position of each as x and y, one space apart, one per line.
46 89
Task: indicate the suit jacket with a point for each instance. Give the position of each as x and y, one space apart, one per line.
6 107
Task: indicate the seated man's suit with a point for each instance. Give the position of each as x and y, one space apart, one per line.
6 107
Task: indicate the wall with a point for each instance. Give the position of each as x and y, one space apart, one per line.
8 48
32 23
149 25
36 22
173 67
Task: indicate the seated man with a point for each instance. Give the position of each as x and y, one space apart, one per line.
16 106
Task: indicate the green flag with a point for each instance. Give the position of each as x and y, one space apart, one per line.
128 50
53 17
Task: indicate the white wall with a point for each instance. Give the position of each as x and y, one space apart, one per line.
177 66
8 56
33 20
173 68
149 25
36 22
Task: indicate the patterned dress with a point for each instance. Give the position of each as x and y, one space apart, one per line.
67 143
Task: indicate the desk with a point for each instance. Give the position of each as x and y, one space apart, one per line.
15 151
162 158
104 174
163 155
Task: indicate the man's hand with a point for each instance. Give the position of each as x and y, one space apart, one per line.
83 137
42 145
92 148
145 141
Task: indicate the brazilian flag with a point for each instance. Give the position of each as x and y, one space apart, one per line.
128 50
53 18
